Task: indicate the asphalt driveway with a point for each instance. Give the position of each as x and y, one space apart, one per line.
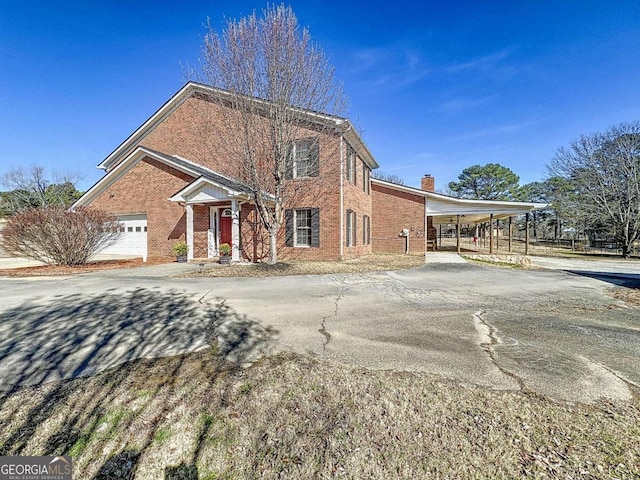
553 332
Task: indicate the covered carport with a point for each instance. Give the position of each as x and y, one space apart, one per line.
447 210
404 219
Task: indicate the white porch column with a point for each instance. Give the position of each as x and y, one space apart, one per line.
190 231
235 231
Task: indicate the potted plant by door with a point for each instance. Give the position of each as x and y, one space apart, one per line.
225 254
180 250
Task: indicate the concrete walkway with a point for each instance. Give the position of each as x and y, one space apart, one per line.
444 257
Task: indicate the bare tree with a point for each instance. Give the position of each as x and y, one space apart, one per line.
604 172
27 188
274 79
387 177
55 235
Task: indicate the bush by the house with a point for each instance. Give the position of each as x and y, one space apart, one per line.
57 236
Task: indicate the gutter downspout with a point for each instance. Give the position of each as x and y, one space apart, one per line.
426 232
341 197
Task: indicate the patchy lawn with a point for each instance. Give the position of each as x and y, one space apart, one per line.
298 417
94 266
367 263
630 296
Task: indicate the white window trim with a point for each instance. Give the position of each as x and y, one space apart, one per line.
294 153
351 231
351 165
366 179
295 227
366 230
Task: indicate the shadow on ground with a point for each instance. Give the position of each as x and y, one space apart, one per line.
628 280
77 336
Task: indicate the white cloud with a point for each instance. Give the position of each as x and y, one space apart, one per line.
485 62
392 66
458 104
493 131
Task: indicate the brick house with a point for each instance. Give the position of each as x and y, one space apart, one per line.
170 181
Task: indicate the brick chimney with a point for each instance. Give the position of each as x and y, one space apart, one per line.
428 183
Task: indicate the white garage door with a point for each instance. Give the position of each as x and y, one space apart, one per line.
133 237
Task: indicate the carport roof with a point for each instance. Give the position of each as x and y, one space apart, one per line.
445 209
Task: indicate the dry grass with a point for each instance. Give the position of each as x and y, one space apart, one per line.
367 263
630 296
298 417
94 266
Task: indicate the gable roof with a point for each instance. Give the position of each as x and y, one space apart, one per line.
184 194
181 164
342 125
445 209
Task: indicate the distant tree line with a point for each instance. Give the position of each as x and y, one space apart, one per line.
32 187
592 187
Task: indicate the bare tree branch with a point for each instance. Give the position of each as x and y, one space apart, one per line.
55 235
27 188
272 79
604 170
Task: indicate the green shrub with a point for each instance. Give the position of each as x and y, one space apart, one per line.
225 249
180 248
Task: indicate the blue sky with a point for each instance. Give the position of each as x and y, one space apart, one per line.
434 86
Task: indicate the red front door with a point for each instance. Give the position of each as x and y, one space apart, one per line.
225 230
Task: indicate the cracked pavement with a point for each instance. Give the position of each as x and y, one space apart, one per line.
551 332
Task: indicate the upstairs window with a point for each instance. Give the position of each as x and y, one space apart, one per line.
351 164
366 179
303 158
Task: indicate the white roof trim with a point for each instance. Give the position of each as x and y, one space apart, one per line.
180 196
342 124
123 167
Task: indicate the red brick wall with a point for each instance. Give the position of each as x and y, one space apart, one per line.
322 192
357 200
145 189
201 225
393 211
254 238
192 131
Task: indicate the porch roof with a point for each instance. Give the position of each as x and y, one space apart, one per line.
212 187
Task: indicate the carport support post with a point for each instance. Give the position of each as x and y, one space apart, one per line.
526 234
510 231
497 234
190 231
491 234
458 233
